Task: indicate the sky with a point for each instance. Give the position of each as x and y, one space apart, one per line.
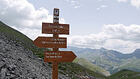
111 24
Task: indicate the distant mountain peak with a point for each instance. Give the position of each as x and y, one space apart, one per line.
137 50
102 48
136 53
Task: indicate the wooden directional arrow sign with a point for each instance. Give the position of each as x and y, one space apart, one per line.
50 42
59 56
52 28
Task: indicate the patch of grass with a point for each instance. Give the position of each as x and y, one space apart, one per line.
125 74
87 64
74 70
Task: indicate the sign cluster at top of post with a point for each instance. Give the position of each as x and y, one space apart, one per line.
55 42
55 56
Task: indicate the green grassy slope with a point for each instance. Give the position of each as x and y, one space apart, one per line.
75 70
130 64
72 69
87 64
15 35
133 64
125 74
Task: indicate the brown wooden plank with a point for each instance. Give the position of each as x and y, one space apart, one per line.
59 56
54 28
50 42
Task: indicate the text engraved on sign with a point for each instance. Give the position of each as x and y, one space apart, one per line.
50 42
49 28
59 56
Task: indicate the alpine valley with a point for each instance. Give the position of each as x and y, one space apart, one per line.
110 60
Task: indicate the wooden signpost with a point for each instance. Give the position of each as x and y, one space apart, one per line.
55 42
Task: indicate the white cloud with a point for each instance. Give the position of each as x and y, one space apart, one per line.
101 7
122 0
135 3
120 31
118 37
74 3
24 17
76 6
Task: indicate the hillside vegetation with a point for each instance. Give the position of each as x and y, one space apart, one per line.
87 64
125 74
73 70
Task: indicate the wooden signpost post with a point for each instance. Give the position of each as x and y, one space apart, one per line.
55 42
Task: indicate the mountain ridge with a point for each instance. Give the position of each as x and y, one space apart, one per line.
111 60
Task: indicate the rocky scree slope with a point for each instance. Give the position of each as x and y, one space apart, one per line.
17 62
73 70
